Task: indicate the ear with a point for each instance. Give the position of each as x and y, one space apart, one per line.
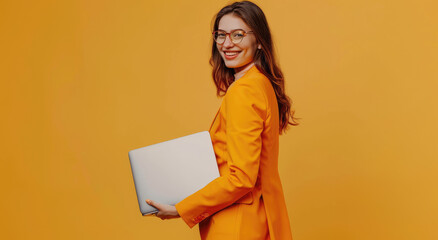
259 46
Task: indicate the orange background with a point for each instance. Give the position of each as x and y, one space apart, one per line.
84 82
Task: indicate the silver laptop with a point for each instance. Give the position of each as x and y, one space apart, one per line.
169 171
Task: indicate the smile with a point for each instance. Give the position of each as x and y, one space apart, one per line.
231 55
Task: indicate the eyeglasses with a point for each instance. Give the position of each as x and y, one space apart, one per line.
236 36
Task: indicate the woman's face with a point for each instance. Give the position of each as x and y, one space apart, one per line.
236 55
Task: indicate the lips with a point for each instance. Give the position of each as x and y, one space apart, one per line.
231 54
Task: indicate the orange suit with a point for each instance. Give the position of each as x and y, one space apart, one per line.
246 201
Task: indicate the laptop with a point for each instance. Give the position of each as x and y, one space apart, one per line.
169 171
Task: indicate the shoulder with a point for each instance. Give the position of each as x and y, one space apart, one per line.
249 91
254 78
252 83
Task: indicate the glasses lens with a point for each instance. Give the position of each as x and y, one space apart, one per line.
219 36
237 36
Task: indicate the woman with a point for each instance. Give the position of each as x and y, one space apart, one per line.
246 201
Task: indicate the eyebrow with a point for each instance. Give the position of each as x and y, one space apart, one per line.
232 29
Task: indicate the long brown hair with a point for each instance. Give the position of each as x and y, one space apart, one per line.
264 59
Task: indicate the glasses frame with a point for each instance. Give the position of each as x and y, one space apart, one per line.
229 35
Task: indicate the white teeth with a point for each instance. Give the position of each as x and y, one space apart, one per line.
231 53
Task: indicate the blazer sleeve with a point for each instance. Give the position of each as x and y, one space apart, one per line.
245 107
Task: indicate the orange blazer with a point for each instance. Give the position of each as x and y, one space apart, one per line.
246 201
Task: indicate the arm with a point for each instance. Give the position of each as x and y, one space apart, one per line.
245 109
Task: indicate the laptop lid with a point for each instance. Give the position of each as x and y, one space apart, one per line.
169 171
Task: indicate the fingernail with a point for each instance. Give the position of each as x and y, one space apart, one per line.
148 201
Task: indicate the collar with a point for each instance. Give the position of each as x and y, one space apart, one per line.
249 72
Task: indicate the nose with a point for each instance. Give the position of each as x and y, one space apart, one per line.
228 43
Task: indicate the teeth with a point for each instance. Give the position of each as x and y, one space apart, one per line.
231 53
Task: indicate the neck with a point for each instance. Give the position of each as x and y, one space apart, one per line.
239 72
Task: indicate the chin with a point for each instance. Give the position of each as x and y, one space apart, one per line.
232 64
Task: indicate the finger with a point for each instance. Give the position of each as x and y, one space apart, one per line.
150 202
164 217
153 204
159 215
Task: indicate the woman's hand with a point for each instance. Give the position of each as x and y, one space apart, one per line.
165 211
